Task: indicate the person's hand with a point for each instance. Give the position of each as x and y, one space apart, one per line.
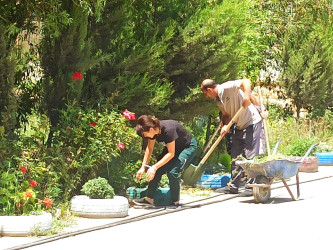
140 173
264 114
246 102
224 130
151 173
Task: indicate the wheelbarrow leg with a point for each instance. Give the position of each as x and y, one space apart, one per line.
297 183
287 187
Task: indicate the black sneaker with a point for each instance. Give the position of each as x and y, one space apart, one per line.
227 190
141 202
246 193
174 206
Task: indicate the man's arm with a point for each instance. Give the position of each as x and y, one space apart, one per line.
226 118
246 87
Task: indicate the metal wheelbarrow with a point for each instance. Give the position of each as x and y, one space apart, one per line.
264 174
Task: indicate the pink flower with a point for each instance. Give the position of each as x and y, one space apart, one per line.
93 124
121 146
27 194
33 183
77 76
23 169
68 127
47 202
129 115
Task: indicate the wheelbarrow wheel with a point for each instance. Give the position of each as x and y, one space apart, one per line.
261 194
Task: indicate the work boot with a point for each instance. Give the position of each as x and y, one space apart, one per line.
141 202
174 206
227 190
246 193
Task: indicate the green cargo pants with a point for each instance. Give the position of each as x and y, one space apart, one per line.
173 169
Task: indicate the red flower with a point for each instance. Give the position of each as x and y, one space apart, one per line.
121 146
33 183
23 169
77 76
28 194
47 202
129 115
68 127
92 124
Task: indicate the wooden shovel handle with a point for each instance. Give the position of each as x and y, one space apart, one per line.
204 159
212 138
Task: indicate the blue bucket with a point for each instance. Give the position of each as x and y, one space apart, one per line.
325 158
213 180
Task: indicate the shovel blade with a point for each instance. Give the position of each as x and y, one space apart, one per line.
192 175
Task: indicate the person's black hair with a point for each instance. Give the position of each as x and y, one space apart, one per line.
145 122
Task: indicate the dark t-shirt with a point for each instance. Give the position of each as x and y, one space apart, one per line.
173 131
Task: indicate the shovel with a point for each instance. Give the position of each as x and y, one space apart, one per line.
193 173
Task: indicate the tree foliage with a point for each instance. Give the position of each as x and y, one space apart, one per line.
61 57
150 56
299 53
170 46
8 104
307 73
307 56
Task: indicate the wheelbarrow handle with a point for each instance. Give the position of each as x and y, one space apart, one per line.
277 146
309 151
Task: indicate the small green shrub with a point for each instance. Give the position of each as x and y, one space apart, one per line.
98 188
300 146
279 112
222 165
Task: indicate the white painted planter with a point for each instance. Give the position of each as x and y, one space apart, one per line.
83 206
24 225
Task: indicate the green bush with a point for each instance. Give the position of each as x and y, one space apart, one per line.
98 188
94 143
41 161
299 134
300 146
86 144
223 165
20 193
279 112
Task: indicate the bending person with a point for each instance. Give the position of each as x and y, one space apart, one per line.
180 148
229 97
